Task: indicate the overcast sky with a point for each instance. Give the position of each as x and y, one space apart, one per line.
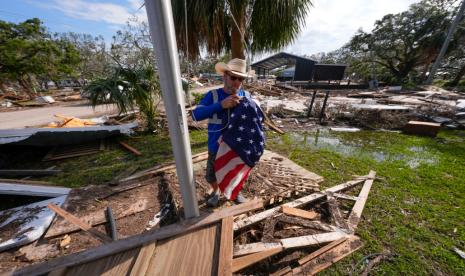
329 25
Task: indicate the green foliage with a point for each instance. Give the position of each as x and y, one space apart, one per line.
128 88
28 51
266 25
197 97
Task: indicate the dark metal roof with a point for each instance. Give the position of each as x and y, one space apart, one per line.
278 60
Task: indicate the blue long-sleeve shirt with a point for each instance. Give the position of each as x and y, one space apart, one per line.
206 108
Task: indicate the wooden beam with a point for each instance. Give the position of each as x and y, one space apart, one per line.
329 257
284 271
138 240
344 196
356 213
299 212
143 260
76 221
129 148
250 248
243 262
322 250
226 247
296 203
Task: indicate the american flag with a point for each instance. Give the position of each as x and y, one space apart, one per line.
241 145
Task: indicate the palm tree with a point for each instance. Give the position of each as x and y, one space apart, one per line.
128 88
218 25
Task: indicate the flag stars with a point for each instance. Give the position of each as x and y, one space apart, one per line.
230 126
251 141
243 116
252 130
241 128
238 139
248 152
255 119
232 115
261 143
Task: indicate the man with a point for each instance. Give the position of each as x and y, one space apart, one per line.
216 106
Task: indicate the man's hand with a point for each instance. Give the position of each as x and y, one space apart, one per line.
230 101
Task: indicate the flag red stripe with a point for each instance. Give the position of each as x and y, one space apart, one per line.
238 188
231 174
223 160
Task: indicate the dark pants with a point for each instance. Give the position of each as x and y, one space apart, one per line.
210 171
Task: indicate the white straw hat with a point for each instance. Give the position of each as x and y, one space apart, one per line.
235 66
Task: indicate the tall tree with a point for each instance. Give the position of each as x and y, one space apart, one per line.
402 42
27 51
223 25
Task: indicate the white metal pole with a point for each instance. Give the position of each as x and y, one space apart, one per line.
161 26
452 28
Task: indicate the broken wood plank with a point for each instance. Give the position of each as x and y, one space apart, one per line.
296 203
243 262
76 221
143 260
226 247
422 128
322 250
138 240
164 167
308 224
336 214
356 213
96 217
282 271
131 149
299 212
344 196
315 239
329 257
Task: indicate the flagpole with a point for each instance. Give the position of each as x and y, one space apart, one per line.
161 27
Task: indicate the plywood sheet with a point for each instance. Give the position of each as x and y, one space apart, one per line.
194 253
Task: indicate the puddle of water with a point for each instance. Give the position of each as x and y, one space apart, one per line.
360 146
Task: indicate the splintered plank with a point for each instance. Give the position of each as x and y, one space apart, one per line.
296 203
117 264
226 247
243 262
329 257
138 240
142 261
336 214
288 243
322 250
79 223
129 148
356 213
189 254
299 212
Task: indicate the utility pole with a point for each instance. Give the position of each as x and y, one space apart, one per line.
452 28
161 26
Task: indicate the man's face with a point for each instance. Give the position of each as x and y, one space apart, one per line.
232 82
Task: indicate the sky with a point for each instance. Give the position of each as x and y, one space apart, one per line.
329 25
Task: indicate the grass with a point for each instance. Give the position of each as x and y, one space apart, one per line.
415 210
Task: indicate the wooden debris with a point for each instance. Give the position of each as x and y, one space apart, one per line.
299 212
336 215
69 151
164 167
356 213
284 271
131 149
243 262
296 203
225 266
76 221
322 250
422 128
374 262
130 243
250 248
329 257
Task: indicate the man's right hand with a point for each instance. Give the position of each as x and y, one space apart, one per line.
230 102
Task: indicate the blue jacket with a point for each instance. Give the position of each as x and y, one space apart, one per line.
207 108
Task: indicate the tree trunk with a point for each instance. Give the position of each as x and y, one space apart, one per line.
458 77
237 44
27 88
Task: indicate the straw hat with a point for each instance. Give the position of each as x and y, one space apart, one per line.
235 66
